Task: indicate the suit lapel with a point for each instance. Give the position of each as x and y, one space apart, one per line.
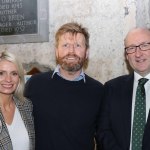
21 109
26 114
126 107
5 141
146 137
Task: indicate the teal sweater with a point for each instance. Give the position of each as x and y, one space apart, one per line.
66 113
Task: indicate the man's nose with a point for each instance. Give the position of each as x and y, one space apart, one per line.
138 51
71 48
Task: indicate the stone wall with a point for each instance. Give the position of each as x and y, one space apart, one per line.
108 21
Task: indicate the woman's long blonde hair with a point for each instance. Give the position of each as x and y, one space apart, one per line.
5 55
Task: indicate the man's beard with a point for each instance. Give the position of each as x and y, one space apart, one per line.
71 66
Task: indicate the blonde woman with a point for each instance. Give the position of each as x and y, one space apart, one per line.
16 121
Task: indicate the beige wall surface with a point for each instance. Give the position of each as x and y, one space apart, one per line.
107 21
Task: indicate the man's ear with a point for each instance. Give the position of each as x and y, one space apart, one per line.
126 55
56 52
87 53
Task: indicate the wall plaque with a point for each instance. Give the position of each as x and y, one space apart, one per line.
23 21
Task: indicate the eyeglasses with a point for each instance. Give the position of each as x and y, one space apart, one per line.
142 47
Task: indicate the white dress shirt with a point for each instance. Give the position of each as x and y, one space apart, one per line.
147 91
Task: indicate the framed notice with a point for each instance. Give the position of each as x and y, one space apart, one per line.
23 21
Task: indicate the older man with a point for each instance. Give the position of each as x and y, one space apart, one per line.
125 114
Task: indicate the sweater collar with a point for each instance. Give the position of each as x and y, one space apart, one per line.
80 77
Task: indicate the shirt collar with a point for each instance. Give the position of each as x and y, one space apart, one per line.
137 77
80 77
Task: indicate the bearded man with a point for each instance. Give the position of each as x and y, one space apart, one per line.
66 102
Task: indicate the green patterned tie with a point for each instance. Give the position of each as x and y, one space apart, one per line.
139 119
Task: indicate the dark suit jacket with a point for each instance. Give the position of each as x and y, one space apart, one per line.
25 109
116 115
